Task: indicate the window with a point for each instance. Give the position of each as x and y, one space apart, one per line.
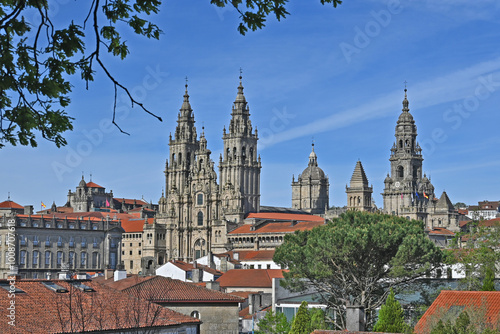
71 258
130 253
83 259
94 227
22 257
84 242
22 240
195 314
200 199
71 241
200 218
59 225
35 240
112 243
83 227
95 244
95 260
72 226
140 252
47 259
47 225
59 241
131 264
47 241
59 259
35 224
35 258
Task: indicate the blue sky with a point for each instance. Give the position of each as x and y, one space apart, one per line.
335 75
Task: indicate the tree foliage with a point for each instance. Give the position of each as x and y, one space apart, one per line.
475 253
356 259
391 317
273 323
39 58
302 322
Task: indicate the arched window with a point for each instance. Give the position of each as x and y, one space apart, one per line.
251 153
173 157
401 171
188 158
195 314
401 143
234 152
180 158
228 153
199 200
200 218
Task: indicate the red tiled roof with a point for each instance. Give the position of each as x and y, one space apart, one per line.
135 225
490 300
260 255
465 222
490 223
285 216
249 278
92 216
130 201
41 310
182 265
93 185
277 227
242 294
10 205
161 289
441 231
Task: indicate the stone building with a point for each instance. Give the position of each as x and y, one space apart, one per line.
407 192
310 192
195 211
89 196
47 244
359 194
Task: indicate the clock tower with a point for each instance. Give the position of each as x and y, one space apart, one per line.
407 193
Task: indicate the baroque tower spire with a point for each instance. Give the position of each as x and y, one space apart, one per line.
240 165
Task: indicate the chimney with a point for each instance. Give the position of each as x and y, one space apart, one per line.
120 274
108 273
210 258
197 275
250 304
293 223
355 315
223 264
213 285
195 264
28 210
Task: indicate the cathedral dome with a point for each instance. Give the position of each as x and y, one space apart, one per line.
312 170
82 183
405 117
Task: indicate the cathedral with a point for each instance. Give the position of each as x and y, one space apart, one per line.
196 211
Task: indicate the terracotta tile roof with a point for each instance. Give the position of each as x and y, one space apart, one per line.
10 205
490 223
441 231
260 255
134 224
465 222
161 289
93 185
249 278
130 201
182 265
242 294
490 300
277 227
41 310
285 216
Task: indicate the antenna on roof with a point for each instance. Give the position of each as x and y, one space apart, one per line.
90 176
8 197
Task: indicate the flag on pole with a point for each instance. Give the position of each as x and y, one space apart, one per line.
425 195
107 203
43 205
418 197
401 195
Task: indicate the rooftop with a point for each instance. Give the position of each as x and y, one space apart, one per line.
40 309
249 278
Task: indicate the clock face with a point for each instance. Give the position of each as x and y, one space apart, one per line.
397 184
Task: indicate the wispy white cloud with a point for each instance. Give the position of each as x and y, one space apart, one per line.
447 88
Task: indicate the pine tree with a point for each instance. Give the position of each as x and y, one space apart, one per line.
489 280
274 323
302 321
390 317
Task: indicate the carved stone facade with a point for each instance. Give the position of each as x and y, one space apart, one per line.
310 192
195 211
359 194
407 193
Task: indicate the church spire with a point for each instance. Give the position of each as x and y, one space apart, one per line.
186 106
405 102
313 158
